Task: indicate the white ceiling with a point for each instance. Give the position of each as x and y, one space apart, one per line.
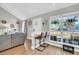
27 10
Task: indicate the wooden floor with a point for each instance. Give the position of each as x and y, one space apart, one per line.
50 50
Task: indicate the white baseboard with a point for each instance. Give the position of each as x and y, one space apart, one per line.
54 44
60 46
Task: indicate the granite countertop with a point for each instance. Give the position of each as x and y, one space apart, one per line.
12 33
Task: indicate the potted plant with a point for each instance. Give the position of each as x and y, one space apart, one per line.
55 22
69 23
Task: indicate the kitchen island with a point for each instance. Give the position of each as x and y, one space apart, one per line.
11 40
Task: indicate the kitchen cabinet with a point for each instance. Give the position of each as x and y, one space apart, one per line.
5 42
17 39
11 40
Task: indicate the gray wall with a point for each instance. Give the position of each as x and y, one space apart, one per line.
45 27
11 19
28 28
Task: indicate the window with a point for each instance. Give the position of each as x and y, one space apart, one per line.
65 29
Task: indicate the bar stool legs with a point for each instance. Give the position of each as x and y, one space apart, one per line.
44 38
41 43
40 46
44 44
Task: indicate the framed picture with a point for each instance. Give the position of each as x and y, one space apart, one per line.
17 22
3 21
30 22
11 25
